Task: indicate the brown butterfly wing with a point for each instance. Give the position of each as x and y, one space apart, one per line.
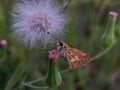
76 57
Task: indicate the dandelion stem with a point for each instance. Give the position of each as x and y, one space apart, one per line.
66 3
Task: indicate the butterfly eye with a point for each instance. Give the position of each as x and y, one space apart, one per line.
61 44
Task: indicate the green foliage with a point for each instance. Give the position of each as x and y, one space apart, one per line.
87 23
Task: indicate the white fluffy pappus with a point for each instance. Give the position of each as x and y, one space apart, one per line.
32 19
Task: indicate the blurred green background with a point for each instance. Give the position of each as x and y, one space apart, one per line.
88 20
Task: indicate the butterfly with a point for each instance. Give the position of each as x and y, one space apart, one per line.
73 56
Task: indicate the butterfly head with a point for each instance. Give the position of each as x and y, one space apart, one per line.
60 44
61 47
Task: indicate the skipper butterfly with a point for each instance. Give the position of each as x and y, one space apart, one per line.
73 56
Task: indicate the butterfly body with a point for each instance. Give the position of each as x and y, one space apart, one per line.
73 56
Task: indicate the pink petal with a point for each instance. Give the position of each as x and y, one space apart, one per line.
113 14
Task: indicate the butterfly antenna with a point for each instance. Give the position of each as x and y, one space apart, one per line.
56 39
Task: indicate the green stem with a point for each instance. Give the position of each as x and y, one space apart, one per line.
101 53
35 81
32 86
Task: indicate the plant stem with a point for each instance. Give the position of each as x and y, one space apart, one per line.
32 86
37 80
101 53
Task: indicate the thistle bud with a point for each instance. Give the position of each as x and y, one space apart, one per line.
53 79
53 55
3 48
3 43
108 37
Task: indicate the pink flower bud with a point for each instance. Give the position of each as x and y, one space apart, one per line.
113 14
53 54
3 42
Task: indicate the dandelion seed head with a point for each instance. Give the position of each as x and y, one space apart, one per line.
40 23
32 19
